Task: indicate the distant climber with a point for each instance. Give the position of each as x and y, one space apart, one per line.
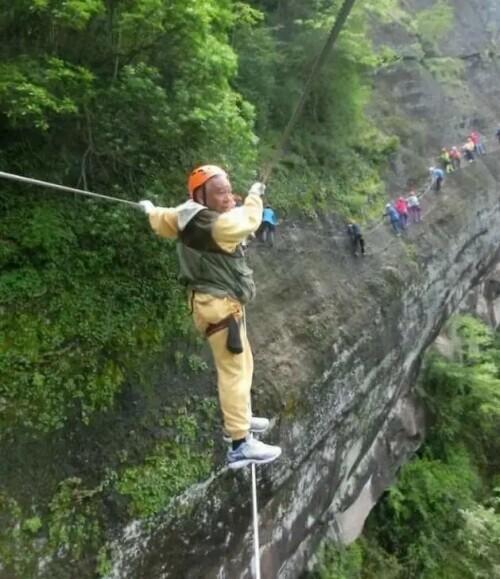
456 158
468 150
414 207
437 178
390 211
357 240
402 208
497 133
479 148
209 229
268 227
445 160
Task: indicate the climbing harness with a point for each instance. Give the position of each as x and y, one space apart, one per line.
13 177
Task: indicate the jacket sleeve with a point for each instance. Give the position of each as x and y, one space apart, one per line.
235 226
164 222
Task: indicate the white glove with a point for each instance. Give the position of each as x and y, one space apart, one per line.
257 189
147 206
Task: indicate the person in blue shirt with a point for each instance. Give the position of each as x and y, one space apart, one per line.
437 176
269 222
391 212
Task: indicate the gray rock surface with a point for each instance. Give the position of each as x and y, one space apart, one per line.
339 342
341 366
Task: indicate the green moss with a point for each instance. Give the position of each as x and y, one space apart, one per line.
294 406
33 525
449 72
434 23
73 526
16 551
174 464
410 251
74 522
103 566
393 280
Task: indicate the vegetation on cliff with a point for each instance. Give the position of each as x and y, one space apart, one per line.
124 98
442 517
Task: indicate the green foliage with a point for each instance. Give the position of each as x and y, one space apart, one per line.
34 93
434 23
465 391
104 566
424 507
174 464
335 154
122 98
363 559
73 525
15 538
338 563
74 520
447 71
441 519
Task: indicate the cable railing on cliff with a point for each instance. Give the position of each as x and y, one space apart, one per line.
491 145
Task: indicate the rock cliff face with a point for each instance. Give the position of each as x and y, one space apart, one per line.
338 342
340 356
484 299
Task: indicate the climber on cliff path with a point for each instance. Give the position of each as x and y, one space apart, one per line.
437 178
209 229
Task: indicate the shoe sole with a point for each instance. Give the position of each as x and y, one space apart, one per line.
243 463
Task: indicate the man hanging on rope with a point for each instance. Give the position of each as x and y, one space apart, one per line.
209 229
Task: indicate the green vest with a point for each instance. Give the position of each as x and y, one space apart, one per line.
207 268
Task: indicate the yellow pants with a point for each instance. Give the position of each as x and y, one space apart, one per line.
234 371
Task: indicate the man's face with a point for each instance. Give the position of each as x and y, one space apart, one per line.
219 194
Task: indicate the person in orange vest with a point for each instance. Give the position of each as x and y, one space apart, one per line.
209 229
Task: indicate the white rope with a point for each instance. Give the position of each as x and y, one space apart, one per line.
13 177
255 515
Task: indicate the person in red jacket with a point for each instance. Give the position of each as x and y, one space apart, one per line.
456 158
402 208
478 145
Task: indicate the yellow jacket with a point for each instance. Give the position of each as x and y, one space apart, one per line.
229 230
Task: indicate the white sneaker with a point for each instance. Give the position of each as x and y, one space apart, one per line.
252 451
257 426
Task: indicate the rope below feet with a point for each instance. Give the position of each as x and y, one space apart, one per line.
255 515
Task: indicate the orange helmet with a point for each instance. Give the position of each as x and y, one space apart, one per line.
201 175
